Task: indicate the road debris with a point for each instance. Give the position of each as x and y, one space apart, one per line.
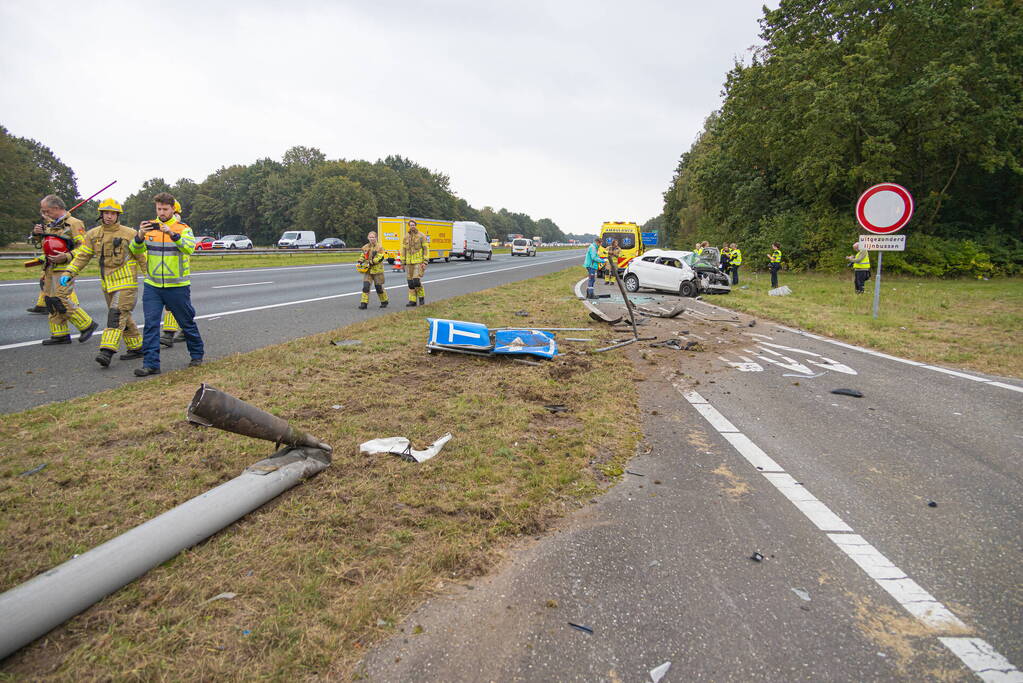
579 339
635 474
557 408
580 627
931 504
336 406
346 342
694 346
801 593
847 392
779 291
802 376
460 336
662 312
602 317
657 673
669 344
752 323
522 314
756 557
402 447
37 468
219 596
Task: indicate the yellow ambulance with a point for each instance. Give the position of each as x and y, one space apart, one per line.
629 239
391 233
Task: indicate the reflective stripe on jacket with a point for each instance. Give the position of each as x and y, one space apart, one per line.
735 256
775 256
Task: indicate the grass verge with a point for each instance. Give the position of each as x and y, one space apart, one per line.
13 269
328 567
966 323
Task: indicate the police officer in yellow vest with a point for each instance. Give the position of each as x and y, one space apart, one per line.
60 300
774 263
118 272
414 255
167 245
371 265
735 259
861 266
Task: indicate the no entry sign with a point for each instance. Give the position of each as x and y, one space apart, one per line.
884 208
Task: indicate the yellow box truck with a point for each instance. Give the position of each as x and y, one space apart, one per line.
391 233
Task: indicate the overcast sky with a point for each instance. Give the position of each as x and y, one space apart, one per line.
575 111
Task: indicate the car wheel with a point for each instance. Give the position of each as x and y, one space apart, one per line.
489 254
687 288
447 259
631 282
250 246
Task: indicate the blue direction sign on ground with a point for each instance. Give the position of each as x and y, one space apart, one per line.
649 238
459 333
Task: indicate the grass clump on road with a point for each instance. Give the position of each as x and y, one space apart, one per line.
329 567
966 323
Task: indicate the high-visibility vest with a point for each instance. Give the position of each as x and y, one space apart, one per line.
735 256
168 262
775 256
862 261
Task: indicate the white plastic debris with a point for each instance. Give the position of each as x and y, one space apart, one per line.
399 445
780 291
803 595
222 596
657 674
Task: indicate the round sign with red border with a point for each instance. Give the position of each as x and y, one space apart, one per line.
884 208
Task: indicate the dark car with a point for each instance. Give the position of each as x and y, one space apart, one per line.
330 243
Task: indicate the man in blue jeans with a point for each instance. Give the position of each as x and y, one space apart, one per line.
592 264
167 244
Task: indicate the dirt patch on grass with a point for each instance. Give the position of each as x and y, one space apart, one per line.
319 569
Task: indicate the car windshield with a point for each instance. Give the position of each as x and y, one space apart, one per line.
289 236
708 259
626 240
521 243
235 237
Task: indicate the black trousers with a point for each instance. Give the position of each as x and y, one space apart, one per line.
861 278
735 275
775 267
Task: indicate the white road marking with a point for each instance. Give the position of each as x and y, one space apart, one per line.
977 654
247 284
752 452
748 365
335 296
792 364
983 660
1003 385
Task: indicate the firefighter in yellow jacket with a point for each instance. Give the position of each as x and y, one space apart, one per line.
414 255
61 301
118 273
611 267
371 265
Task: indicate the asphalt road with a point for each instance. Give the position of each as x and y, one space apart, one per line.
862 579
238 310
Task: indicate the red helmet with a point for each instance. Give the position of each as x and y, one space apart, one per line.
54 244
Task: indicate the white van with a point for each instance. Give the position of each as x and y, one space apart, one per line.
469 240
297 239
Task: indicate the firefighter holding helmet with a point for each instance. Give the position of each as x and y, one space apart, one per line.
371 265
60 236
118 272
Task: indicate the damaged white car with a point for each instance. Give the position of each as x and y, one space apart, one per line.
684 272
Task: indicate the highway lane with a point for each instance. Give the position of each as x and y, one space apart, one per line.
238 310
749 451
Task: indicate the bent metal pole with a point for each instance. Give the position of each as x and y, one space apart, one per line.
48 600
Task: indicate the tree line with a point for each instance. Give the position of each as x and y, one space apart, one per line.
304 190
844 94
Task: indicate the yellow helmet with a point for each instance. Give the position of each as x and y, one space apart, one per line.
177 206
110 205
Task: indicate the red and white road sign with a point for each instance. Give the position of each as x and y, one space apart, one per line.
884 208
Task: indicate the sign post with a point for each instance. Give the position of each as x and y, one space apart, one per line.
883 209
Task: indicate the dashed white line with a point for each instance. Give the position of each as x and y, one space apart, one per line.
977 654
247 284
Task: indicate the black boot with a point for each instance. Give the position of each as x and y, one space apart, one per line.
145 372
167 339
383 304
104 356
422 301
87 332
410 304
36 309
363 306
132 354
63 339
